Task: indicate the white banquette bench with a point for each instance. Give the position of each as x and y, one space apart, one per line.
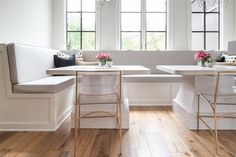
29 98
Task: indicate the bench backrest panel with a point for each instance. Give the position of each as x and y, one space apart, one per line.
149 59
28 63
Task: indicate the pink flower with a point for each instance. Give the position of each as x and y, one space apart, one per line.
104 56
201 55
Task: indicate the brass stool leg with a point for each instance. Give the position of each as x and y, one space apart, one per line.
198 110
216 130
120 130
76 131
215 116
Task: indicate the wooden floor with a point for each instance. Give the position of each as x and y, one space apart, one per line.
154 132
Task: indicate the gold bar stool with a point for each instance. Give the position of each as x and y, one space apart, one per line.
212 100
98 88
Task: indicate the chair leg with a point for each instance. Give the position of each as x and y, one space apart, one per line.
216 130
76 131
117 116
198 110
120 130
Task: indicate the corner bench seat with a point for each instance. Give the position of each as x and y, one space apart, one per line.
32 100
51 84
152 78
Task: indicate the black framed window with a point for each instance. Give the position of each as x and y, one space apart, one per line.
143 25
81 24
205 26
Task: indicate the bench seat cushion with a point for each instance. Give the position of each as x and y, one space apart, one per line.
152 78
51 84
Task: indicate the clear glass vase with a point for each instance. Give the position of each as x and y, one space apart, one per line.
102 63
201 63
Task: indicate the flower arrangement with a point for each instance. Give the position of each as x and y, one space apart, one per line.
103 58
203 58
201 55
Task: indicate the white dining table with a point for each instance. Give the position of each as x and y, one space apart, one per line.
194 78
126 70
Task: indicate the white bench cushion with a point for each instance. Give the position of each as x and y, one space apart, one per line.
28 63
152 78
51 84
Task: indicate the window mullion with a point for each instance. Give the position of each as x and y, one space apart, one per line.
143 24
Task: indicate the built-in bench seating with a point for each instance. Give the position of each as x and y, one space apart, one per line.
31 99
28 67
52 84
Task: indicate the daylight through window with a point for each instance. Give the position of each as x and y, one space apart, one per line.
205 26
81 29
143 25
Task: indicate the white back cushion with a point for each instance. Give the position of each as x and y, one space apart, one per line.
28 63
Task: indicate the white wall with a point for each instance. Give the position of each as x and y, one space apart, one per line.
26 21
229 23
108 24
235 21
179 25
59 24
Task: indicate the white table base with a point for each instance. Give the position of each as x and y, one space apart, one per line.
185 106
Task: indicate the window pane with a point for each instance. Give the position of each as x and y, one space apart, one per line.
88 21
156 5
130 22
212 41
88 40
74 40
73 5
156 21
197 22
211 22
212 6
73 21
197 41
131 5
88 5
196 6
155 41
130 41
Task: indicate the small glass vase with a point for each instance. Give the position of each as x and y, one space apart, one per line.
201 63
109 63
102 63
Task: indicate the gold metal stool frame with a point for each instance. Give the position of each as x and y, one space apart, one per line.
213 104
116 115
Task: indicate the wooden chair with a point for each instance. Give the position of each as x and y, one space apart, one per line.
97 88
212 99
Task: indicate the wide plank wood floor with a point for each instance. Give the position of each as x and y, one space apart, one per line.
154 132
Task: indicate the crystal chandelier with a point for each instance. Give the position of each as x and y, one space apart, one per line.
210 3
105 3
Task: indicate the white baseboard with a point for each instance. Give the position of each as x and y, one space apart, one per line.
63 117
